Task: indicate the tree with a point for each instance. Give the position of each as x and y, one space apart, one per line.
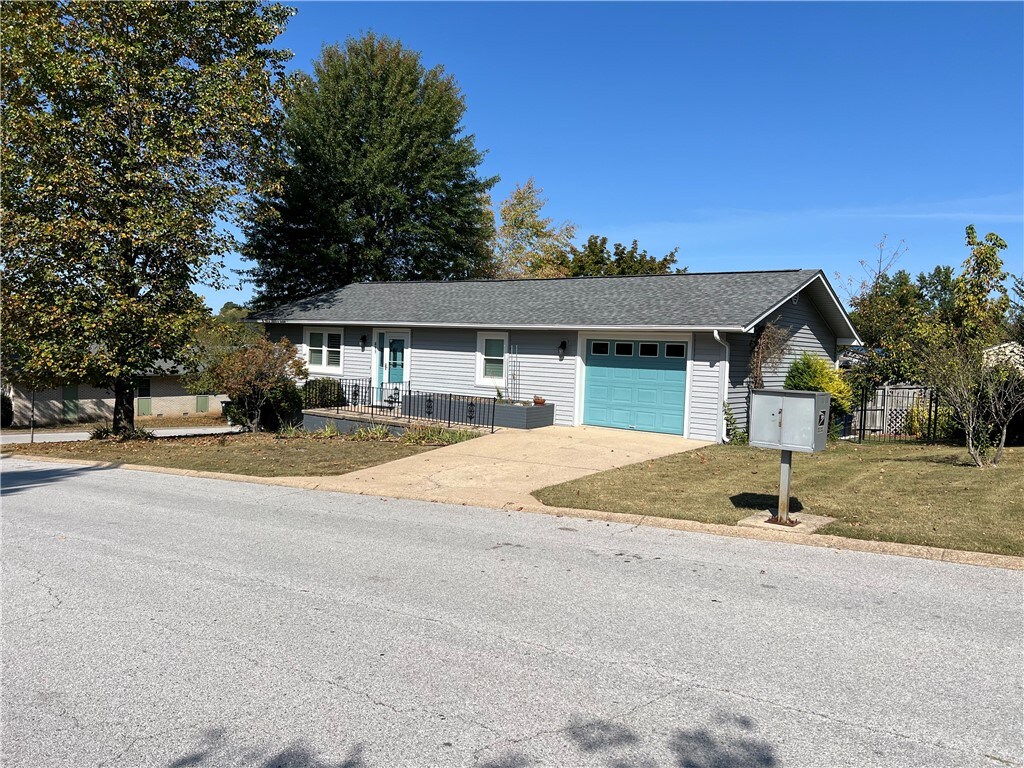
373 180
1004 389
594 259
257 374
232 313
980 299
131 133
768 349
527 244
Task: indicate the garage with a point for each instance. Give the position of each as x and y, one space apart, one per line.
635 384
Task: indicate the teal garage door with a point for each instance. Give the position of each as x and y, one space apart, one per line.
635 385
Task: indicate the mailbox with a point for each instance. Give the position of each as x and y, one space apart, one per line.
789 419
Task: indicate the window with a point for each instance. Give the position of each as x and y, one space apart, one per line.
324 348
624 348
648 349
490 358
143 388
675 350
599 348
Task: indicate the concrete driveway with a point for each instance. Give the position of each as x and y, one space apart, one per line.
502 469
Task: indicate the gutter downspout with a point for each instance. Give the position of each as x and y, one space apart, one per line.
723 384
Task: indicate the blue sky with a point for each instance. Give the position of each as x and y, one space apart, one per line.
750 135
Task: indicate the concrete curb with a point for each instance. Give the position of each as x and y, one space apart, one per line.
962 557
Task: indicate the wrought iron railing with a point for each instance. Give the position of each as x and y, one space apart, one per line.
398 401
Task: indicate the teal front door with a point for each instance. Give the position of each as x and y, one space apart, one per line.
396 361
635 384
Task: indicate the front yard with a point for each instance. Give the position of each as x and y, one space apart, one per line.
262 455
913 494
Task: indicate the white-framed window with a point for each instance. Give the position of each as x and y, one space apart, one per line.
491 358
324 347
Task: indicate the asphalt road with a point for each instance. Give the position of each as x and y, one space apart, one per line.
155 620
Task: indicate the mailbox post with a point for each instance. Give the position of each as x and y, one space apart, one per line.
788 420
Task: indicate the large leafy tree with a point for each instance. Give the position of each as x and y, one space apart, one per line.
527 243
595 259
375 180
130 136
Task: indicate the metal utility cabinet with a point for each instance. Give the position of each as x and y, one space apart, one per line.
788 420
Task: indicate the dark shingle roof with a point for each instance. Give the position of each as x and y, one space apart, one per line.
721 300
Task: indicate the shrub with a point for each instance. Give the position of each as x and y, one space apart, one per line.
425 434
323 393
372 433
733 433
818 375
101 433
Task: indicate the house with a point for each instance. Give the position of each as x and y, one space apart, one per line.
159 393
657 353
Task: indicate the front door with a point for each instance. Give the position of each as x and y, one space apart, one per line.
392 365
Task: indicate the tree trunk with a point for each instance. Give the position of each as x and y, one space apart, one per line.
999 450
124 405
32 420
971 449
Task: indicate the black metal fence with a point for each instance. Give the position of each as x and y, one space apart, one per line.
398 401
896 413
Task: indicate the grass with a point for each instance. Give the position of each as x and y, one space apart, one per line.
147 422
907 493
261 455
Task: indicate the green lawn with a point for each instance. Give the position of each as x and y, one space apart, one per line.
914 494
262 455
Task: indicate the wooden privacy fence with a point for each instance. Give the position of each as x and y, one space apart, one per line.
895 412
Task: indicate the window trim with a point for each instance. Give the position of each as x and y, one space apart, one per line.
325 330
481 340
632 348
642 344
608 347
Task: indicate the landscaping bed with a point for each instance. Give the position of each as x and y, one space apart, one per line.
261 455
908 493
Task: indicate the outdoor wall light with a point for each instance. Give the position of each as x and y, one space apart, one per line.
362 343
561 350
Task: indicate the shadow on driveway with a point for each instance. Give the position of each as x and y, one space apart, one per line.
22 479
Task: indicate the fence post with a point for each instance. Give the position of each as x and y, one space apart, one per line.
494 406
863 414
449 410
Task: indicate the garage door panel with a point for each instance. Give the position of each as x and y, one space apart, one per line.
632 392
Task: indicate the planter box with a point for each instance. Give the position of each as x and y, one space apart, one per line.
524 416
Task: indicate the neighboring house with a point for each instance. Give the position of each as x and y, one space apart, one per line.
657 353
158 394
1011 352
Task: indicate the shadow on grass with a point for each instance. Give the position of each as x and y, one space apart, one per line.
763 502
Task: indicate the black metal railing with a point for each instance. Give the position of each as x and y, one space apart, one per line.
398 401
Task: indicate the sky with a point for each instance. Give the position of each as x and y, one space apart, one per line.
748 135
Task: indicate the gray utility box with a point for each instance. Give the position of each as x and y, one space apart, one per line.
789 419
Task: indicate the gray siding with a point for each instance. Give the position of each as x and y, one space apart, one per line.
808 332
357 363
277 331
542 373
705 415
444 360
739 374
